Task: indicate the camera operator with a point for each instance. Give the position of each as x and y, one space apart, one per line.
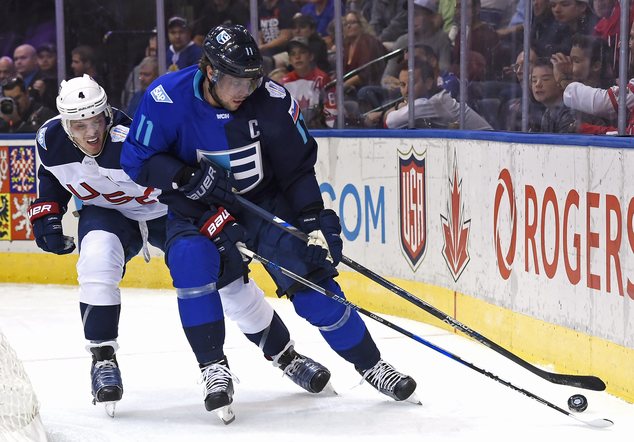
19 112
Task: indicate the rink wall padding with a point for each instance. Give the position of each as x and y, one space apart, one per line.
528 239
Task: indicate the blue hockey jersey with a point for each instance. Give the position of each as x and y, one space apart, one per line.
264 143
65 171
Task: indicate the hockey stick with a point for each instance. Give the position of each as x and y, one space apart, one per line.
598 423
573 380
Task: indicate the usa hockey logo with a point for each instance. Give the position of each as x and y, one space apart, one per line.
245 164
159 95
413 206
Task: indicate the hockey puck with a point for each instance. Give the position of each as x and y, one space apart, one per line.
577 403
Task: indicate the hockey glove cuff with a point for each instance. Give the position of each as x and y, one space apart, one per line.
208 184
226 233
46 219
324 240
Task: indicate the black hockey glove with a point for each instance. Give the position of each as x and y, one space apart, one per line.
226 233
208 184
46 219
324 240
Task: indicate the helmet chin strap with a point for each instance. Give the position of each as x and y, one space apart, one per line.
212 90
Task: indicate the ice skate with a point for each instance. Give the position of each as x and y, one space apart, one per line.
107 386
218 388
390 382
305 372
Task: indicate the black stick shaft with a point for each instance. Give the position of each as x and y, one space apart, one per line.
588 382
594 423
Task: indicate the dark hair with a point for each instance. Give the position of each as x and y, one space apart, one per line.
542 62
426 71
13 82
599 52
86 53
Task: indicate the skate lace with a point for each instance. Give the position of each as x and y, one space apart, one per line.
106 374
216 377
383 376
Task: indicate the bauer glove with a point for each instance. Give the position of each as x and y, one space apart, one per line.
208 184
226 233
46 219
324 240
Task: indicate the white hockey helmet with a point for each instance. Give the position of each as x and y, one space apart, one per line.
80 98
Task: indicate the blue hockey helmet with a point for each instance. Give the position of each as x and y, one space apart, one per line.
232 50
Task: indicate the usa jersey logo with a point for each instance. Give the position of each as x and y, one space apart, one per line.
245 164
159 95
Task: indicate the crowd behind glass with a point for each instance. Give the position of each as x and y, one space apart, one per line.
572 74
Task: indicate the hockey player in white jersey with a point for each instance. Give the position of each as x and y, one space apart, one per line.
80 157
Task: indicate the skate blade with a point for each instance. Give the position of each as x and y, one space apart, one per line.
413 399
110 408
329 390
226 414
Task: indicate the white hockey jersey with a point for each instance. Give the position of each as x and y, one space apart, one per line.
65 172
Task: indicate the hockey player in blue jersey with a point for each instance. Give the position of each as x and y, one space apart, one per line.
81 149
200 133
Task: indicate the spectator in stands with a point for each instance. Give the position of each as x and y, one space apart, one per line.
304 26
276 30
219 12
483 38
182 51
558 118
25 60
47 61
7 70
278 74
46 85
433 106
602 103
388 19
360 46
510 115
609 25
571 17
426 32
148 72
322 12
84 61
306 84
21 113
133 83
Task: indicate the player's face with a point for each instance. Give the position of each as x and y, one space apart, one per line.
90 133
232 91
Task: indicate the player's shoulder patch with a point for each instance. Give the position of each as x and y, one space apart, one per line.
41 137
275 90
159 95
118 133
293 111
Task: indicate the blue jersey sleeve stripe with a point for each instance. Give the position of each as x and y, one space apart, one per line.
148 133
139 128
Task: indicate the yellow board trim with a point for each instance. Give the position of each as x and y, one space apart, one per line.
536 341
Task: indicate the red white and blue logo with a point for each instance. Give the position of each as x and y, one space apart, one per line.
413 206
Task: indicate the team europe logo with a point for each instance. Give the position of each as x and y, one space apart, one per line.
413 206
455 228
245 164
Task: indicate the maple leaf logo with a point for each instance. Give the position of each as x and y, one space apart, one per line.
455 229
